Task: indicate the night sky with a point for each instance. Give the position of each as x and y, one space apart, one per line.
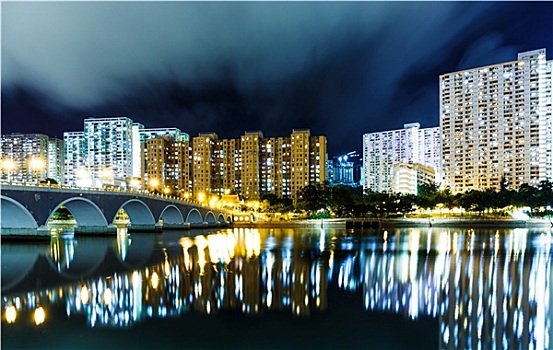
339 69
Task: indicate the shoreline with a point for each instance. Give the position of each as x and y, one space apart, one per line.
403 222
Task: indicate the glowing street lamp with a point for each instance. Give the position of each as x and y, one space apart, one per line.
201 197
37 164
154 183
8 165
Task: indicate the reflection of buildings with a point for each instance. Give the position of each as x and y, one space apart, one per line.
487 289
225 271
488 296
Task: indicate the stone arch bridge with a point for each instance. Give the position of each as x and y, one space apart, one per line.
26 210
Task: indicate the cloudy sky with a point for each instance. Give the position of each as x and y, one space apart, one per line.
341 69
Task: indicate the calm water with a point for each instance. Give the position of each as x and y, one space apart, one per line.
281 288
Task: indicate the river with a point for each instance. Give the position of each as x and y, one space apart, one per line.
281 288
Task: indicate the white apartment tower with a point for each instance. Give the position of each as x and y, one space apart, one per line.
383 150
496 124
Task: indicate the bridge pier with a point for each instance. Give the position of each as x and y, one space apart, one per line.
96 229
179 226
35 233
144 227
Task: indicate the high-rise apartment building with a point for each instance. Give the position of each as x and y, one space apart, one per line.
55 160
109 151
496 123
24 158
109 144
383 150
250 173
226 166
166 166
275 162
254 165
74 160
202 161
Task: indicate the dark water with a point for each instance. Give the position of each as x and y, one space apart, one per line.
281 288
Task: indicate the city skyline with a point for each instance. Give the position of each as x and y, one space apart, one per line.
339 69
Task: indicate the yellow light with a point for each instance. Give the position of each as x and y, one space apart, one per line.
201 196
187 195
107 173
155 280
134 183
108 296
154 182
40 315
37 164
213 201
166 190
11 314
8 164
85 296
82 173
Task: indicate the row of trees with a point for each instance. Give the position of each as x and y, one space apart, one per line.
321 200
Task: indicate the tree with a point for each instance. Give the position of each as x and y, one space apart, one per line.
312 198
342 201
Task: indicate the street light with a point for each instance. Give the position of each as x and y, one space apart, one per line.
8 165
37 165
154 183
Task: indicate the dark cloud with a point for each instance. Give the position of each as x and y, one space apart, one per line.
340 69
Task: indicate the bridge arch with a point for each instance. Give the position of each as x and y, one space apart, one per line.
171 215
85 212
138 212
15 215
194 216
221 218
210 217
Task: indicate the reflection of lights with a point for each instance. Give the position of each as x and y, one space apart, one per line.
11 314
136 280
85 295
167 269
155 280
108 296
39 315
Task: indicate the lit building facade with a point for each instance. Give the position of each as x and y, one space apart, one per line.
24 158
345 170
254 165
109 151
383 150
74 159
165 164
408 177
55 160
496 123
275 161
202 161
250 174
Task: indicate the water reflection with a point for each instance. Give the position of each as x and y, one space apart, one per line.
487 288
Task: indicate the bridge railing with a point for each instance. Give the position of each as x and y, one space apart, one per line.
90 190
